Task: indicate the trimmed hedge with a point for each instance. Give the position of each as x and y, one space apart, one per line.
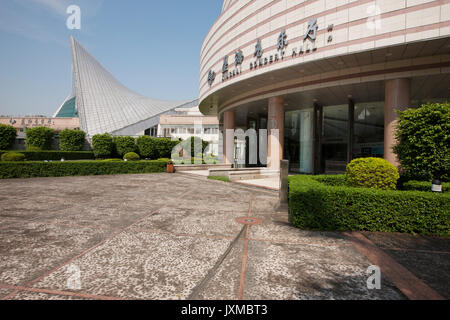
319 204
40 137
124 145
164 147
71 140
103 145
55 155
9 170
13 156
7 136
423 186
147 147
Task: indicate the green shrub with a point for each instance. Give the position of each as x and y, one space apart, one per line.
7 136
164 147
131 156
423 136
423 186
9 170
112 160
13 156
103 145
165 159
56 155
124 145
71 140
40 137
147 147
34 149
333 207
374 173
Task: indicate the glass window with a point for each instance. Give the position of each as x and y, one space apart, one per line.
369 130
299 140
334 139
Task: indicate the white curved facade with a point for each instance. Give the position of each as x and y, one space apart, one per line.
358 27
324 56
104 105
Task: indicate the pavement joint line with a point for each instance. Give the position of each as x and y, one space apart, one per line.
112 236
183 234
245 253
74 225
301 243
58 292
197 289
411 286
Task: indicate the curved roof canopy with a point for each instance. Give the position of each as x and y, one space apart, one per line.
104 105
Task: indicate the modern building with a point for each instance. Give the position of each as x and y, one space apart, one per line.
325 77
190 122
104 105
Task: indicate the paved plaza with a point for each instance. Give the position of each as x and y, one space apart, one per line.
181 236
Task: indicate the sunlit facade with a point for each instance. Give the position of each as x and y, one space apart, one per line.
326 75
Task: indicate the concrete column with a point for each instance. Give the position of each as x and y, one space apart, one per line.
228 137
398 97
275 121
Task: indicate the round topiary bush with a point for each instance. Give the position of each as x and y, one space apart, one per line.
13 156
373 173
131 156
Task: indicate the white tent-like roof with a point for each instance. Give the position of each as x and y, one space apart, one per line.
104 105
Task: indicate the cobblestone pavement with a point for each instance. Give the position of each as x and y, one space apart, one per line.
166 236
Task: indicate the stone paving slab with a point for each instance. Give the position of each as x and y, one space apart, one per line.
31 248
183 221
143 266
291 272
225 283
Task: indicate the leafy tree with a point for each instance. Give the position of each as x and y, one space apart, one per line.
7 136
40 137
103 145
423 140
71 140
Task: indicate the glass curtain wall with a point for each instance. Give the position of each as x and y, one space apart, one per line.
334 139
298 143
369 130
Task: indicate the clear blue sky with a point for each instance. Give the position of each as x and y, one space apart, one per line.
151 46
